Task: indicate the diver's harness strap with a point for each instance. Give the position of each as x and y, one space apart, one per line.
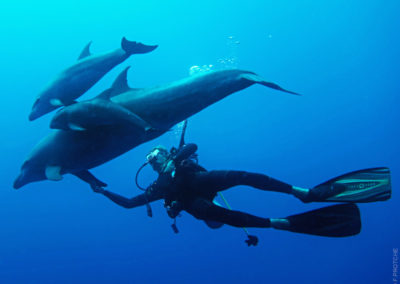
173 152
174 227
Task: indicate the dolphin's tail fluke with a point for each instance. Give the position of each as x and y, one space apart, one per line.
133 47
257 79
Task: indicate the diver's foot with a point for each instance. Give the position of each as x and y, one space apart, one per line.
319 193
301 193
280 223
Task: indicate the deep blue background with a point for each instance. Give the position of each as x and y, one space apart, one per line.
342 55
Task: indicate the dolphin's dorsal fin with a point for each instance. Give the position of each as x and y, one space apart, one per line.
53 173
120 84
86 51
105 95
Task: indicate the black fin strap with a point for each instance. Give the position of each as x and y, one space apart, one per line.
174 227
148 207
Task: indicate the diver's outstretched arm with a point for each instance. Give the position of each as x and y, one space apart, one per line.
138 200
88 177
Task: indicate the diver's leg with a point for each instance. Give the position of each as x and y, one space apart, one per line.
206 210
222 180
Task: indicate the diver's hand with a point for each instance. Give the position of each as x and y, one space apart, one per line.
97 188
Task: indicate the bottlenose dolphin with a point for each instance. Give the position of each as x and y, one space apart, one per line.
99 111
95 113
76 152
74 81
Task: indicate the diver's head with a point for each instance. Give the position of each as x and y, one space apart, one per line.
157 158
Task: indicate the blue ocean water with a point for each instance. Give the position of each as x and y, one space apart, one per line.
343 56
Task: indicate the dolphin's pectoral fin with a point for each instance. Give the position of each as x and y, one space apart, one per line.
56 102
75 127
139 122
122 115
86 51
88 177
60 103
53 173
257 79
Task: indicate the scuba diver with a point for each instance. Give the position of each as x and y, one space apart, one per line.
185 185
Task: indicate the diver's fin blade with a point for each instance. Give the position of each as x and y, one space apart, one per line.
86 51
213 224
368 185
53 173
257 79
341 220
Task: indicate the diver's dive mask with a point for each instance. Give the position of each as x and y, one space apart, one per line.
152 155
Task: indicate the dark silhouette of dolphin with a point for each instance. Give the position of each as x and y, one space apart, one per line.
76 152
74 81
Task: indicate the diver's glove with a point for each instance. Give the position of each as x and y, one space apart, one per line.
97 188
174 208
252 240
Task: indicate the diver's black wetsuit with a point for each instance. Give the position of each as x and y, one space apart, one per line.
194 188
